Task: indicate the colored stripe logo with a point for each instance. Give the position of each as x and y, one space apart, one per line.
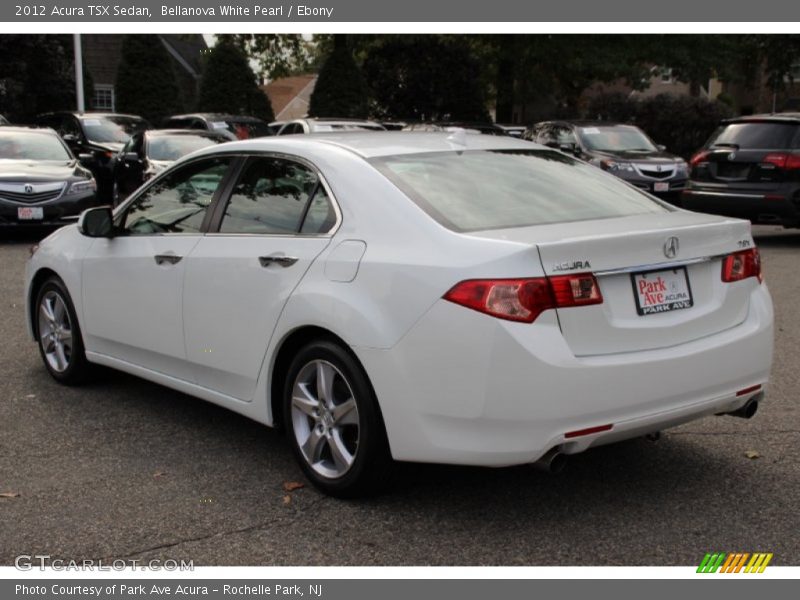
734 562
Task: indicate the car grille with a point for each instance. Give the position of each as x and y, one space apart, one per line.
663 174
31 193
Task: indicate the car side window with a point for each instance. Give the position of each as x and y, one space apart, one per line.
320 217
271 197
70 126
178 202
564 135
545 135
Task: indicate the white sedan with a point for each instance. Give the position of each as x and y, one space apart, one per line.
411 296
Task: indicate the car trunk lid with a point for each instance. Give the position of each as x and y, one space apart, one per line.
629 259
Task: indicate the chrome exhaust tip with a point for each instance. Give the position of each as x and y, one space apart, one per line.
749 409
554 461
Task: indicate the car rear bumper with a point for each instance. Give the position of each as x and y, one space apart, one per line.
465 388
773 208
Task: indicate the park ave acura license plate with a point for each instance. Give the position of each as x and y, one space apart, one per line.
661 291
30 213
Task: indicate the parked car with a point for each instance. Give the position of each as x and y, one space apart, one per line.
623 150
750 168
450 127
41 182
148 153
236 127
513 130
275 126
402 295
95 138
328 125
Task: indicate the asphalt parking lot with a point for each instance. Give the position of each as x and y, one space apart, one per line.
125 469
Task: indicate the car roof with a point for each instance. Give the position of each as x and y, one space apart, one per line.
23 129
790 117
198 132
216 117
380 143
587 123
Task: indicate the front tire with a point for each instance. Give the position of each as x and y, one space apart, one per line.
60 341
333 421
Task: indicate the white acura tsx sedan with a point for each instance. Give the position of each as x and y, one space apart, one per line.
426 297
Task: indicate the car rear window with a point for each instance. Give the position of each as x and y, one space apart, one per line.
493 189
755 136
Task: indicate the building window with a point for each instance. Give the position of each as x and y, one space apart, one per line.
793 76
664 75
103 97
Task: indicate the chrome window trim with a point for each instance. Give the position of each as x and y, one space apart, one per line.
323 181
659 266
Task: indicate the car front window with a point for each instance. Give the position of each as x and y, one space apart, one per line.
173 147
111 129
178 202
622 138
32 146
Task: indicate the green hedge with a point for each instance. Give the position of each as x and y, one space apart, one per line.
681 123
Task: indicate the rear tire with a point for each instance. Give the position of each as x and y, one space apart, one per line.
334 423
59 334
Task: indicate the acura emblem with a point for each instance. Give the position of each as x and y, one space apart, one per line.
28 188
671 247
732 155
659 168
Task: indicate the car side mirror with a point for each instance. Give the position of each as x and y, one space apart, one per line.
70 138
97 222
130 157
661 147
86 158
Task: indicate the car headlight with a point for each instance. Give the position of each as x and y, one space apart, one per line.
682 167
79 187
615 165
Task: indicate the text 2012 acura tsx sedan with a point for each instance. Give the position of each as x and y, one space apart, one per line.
418 296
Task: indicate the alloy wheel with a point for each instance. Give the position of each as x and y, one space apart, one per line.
55 332
325 419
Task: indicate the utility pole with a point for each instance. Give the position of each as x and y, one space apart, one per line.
79 72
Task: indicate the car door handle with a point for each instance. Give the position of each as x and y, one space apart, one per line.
163 259
284 261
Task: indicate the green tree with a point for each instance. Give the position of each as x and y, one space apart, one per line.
146 83
229 85
423 77
37 74
341 90
277 54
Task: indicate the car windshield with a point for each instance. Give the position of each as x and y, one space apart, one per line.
754 136
477 190
617 138
111 129
173 147
32 146
242 130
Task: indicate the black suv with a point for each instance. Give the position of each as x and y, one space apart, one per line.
622 150
750 168
94 138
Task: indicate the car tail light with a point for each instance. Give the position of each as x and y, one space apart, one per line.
698 158
525 299
782 160
741 265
